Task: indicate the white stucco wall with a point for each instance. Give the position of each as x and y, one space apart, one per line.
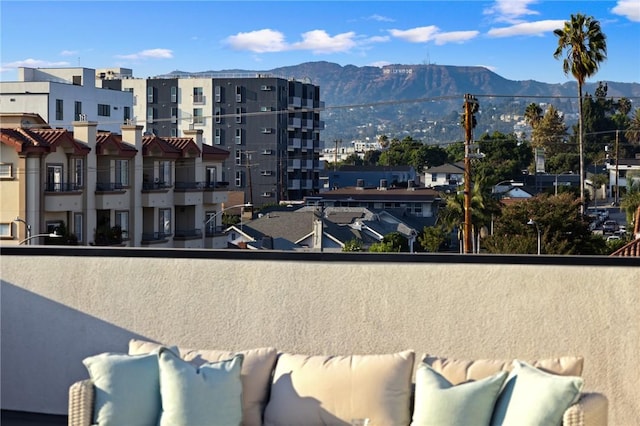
56 310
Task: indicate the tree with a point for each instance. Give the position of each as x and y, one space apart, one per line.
431 238
562 228
533 114
633 131
352 245
392 242
585 46
550 133
504 158
383 141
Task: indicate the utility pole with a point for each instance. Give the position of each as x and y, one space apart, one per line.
616 199
335 157
470 108
248 154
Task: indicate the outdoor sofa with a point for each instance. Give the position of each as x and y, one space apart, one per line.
154 384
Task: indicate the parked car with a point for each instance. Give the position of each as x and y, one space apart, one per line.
610 226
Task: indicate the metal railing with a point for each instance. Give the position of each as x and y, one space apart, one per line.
110 186
62 187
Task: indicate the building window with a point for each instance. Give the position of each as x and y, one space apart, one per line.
218 115
211 176
122 172
150 97
209 217
164 169
78 225
6 230
127 114
434 177
122 220
104 110
77 110
59 109
174 115
238 136
54 177
78 172
164 221
218 93
217 136
174 132
198 118
238 115
238 93
174 94
6 171
198 95
239 179
151 114
238 157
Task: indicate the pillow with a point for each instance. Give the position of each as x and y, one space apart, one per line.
462 370
199 395
257 366
127 389
532 397
438 402
320 390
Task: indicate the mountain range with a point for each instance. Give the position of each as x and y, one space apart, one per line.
425 101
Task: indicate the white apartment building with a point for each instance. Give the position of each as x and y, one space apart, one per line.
108 188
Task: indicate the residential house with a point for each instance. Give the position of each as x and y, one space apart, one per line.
346 176
446 177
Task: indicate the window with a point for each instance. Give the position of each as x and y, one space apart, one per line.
218 114
211 176
198 95
54 177
78 172
164 170
104 110
122 172
238 178
238 136
164 222
217 136
53 226
174 115
238 115
122 220
127 114
174 132
59 109
5 230
78 226
77 110
434 177
209 217
238 157
150 97
218 94
238 93
198 118
151 114
6 171
174 94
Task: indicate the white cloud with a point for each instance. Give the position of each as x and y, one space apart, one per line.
629 9
32 63
416 35
148 54
455 37
527 28
319 41
511 10
379 18
259 41
69 53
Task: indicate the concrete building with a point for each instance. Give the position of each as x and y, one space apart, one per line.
64 95
105 188
270 125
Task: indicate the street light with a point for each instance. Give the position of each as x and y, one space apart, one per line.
206 222
533 222
51 235
512 183
17 219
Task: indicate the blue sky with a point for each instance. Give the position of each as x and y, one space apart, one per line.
514 38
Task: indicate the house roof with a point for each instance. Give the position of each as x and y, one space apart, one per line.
629 250
446 168
351 168
213 153
155 146
37 141
108 143
391 194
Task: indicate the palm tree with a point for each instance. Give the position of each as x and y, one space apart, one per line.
633 131
533 114
586 46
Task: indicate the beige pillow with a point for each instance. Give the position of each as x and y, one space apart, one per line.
255 374
461 370
321 390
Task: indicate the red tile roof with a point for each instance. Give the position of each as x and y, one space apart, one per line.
108 143
42 140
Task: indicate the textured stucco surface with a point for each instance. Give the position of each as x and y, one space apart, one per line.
58 310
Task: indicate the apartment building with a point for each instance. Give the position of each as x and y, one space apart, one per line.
64 95
270 125
108 188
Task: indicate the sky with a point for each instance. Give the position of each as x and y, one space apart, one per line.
513 38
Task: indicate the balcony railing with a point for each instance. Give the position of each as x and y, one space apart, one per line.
110 186
185 234
150 186
214 231
189 186
154 236
62 187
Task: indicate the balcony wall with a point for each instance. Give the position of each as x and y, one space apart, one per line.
60 305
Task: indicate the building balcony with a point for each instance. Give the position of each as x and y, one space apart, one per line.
62 197
458 306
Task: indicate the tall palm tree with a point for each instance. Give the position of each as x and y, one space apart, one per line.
586 46
533 114
633 131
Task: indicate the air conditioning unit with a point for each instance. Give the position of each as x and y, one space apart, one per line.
267 194
265 88
266 130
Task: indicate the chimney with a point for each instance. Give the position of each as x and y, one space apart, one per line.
360 184
383 185
195 134
411 185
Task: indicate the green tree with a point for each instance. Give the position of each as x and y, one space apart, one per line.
550 133
352 245
505 156
633 131
585 46
533 114
562 229
631 200
431 238
392 242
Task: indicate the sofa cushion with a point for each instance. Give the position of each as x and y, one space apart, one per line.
533 397
198 395
257 366
126 387
438 402
320 390
462 370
